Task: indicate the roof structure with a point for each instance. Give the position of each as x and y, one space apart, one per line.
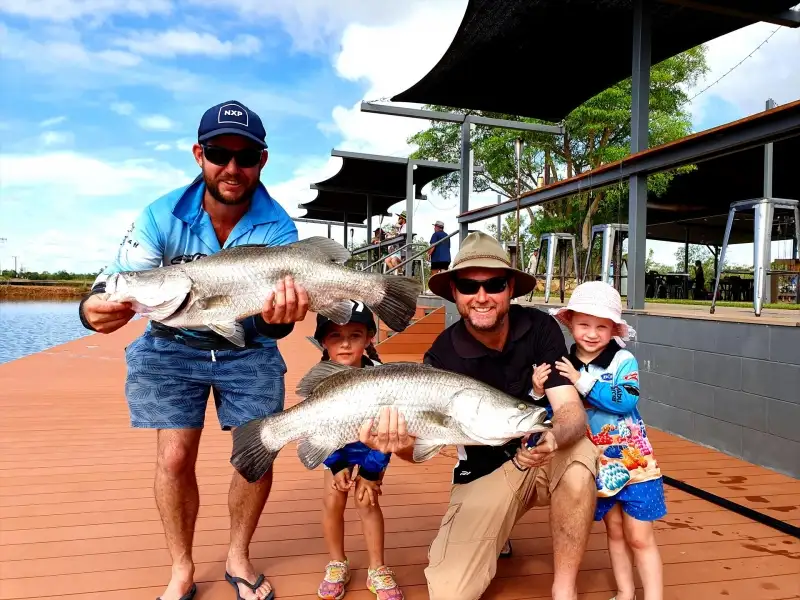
493 32
381 179
700 200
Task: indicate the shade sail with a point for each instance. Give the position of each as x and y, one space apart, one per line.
362 176
567 50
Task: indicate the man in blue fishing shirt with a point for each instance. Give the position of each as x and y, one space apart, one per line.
171 372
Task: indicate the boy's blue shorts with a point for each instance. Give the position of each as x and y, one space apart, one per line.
371 462
642 501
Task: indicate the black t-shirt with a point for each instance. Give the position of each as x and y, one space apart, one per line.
534 338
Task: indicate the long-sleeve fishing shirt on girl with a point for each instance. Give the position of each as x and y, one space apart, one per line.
609 386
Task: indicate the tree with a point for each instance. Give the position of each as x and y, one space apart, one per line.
597 132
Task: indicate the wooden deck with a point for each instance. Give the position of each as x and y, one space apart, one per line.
78 519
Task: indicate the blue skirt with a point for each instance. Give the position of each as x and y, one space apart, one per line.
371 462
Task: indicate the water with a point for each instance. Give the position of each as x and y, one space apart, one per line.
30 326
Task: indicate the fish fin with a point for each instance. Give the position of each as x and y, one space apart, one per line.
312 453
332 250
317 374
426 450
315 342
399 301
233 331
250 457
338 312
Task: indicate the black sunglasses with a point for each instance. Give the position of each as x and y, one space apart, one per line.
495 285
245 158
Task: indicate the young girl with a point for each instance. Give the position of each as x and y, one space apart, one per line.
629 485
355 466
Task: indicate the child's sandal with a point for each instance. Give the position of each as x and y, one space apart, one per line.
337 576
381 583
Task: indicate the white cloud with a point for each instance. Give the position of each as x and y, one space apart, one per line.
175 42
52 121
69 210
316 25
156 123
56 138
63 174
122 108
67 10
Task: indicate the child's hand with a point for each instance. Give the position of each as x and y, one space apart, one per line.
540 375
343 481
368 489
565 368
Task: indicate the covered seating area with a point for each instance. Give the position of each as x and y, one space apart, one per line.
638 33
368 185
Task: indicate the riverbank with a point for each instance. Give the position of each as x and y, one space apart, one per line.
43 292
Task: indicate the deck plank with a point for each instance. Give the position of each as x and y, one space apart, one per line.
76 503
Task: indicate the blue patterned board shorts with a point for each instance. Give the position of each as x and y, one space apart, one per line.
371 462
642 501
168 384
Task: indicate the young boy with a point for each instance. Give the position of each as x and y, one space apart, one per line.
629 485
354 466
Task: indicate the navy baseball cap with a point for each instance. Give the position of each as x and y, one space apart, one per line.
360 314
232 118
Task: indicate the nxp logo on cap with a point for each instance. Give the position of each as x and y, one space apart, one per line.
232 118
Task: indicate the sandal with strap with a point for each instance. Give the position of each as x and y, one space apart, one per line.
337 576
188 595
234 581
381 583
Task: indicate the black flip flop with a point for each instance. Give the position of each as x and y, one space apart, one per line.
234 581
188 595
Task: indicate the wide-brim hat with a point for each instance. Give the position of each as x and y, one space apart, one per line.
599 299
481 250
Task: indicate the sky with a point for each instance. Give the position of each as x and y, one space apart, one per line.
102 99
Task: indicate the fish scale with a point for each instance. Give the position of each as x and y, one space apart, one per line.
440 408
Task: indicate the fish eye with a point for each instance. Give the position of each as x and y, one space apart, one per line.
522 406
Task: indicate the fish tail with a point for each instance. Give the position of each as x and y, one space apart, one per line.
399 302
250 456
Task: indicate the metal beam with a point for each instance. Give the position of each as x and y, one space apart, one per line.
787 18
339 189
467 173
640 141
369 157
750 132
325 222
433 115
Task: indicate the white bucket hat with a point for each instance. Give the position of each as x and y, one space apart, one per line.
598 299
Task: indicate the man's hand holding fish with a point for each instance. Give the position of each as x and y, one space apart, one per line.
287 304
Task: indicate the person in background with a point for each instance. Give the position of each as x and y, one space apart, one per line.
439 255
354 467
630 489
396 256
171 372
699 281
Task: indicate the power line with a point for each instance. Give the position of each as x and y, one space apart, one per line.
736 65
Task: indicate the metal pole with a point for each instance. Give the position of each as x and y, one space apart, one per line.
465 174
329 231
640 118
499 224
768 176
518 144
410 213
345 229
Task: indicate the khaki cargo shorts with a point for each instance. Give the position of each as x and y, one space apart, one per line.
462 560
